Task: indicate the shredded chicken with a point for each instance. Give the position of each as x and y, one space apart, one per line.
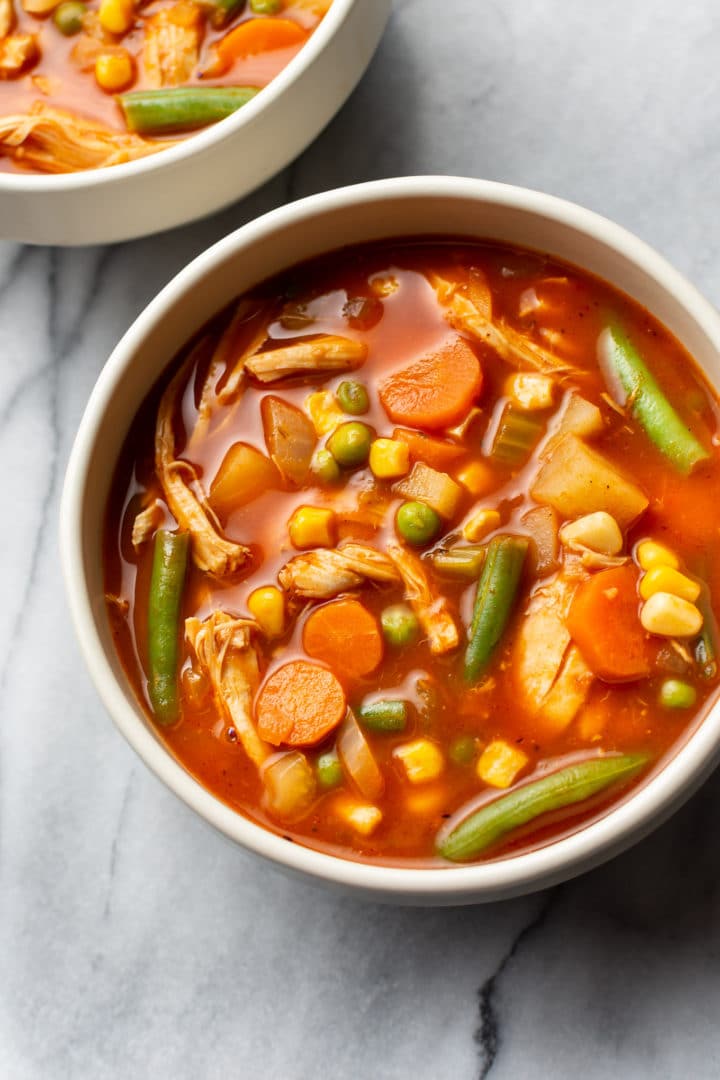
431 610
52 141
18 53
172 44
7 17
330 353
223 646
327 572
551 676
210 551
146 523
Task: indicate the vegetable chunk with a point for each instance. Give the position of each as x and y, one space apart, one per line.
435 391
244 474
345 636
299 705
604 623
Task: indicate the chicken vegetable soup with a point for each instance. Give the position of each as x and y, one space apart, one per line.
407 558
90 83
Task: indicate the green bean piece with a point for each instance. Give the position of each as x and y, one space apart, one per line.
494 600
459 562
418 523
566 787
350 443
68 17
648 403
266 7
516 437
462 750
353 397
324 467
400 625
384 716
676 694
329 770
170 555
181 108
706 645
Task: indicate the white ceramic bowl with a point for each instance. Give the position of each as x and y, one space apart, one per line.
410 206
213 168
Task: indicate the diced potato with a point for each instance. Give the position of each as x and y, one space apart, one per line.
437 489
312 526
599 531
290 785
667 579
389 458
290 438
542 524
244 474
530 390
670 616
324 411
364 818
500 763
478 477
650 553
479 524
577 480
421 759
267 606
579 417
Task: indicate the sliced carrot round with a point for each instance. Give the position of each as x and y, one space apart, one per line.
299 705
435 391
345 636
604 623
258 36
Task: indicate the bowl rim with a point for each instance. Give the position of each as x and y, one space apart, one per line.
199 141
626 822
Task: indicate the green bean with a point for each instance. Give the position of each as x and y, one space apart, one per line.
418 523
180 108
170 554
400 625
384 716
329 769
350 443
353 397
459 562
567 786
676 694
494 600
648 403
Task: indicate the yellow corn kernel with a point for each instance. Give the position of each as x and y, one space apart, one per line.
650 553
665 579
389 458
324 411
312 526
500 763
267 607
478 478
670 616
114 71
364 818
421 759
599 532
116 16
530 391
480 524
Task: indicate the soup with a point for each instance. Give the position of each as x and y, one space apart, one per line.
89 84
407 555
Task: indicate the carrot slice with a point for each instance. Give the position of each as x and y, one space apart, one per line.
604 623
299 705
345 636
435 452
435 391
258 36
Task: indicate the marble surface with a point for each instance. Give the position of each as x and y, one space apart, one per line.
134 942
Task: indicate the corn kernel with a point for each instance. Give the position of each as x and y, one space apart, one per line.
426 801
389 458
267 607
530 391
114 71
312 526
362 817
650 553
670 616
665 579
478 478
500 763
421 759
116 16
599 532
324 411
480 524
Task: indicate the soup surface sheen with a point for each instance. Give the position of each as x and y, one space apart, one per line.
408 556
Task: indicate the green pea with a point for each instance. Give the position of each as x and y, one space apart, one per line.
266 7
350 444
676 694
417 523
400 625
68 17
353 397
462 750
325 467
329 770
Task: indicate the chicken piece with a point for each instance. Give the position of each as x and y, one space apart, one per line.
210 551
431 610
18 53
330 353
327 572
51 141
224 649
551 676
146 523
7 17
172 44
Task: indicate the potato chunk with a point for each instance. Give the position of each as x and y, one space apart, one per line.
244 474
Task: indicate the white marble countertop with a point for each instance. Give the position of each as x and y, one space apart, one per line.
134 942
